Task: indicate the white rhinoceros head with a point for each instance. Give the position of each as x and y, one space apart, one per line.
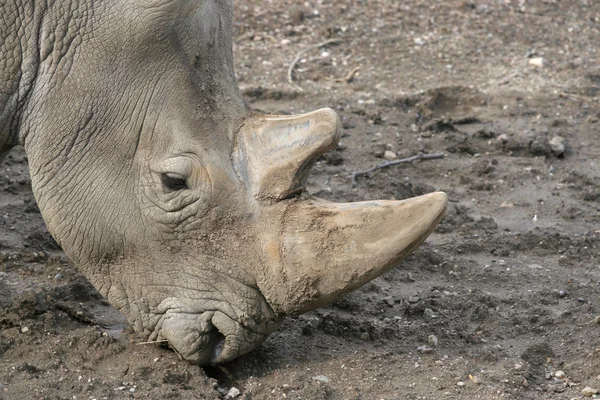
183 207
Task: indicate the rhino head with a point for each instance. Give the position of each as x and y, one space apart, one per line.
184 208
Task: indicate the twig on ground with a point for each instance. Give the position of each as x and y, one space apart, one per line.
299 56
420 156
346 79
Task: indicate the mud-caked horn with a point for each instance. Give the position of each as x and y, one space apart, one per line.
315 251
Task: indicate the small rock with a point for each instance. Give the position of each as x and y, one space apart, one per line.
537 62
518 366
475 379
414 299
389 300
439 363
562 293
58 277
419 42
432 340
597 320
460 384
320 378
24 329
364 336
425 349
233 393
558 144
428 313
588 391
560 374
390 155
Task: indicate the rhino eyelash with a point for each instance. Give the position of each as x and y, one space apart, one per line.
173 182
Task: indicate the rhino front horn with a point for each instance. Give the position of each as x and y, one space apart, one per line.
322 250
314 250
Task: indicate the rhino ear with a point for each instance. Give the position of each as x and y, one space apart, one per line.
275 153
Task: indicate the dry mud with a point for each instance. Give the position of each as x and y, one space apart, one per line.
509 284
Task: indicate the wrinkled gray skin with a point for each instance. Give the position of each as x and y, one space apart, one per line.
129 113
106 96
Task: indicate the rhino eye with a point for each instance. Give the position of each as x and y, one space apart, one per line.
173 182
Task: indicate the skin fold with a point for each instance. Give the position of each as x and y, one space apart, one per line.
184 208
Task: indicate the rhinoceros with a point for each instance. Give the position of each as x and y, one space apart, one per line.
182 206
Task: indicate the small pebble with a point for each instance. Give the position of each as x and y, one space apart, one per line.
518 366
588 391
597 320
58 277
439 363
428 313
24 329
559 374
432 340
389 300
233 393
558 144
460 384
562 293
537 62
425 349
419 42
390 155
475 379
414 299
321 378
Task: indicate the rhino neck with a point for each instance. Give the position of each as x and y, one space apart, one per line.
20 22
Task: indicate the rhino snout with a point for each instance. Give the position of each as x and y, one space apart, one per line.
208 338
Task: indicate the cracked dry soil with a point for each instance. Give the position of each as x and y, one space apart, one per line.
509 284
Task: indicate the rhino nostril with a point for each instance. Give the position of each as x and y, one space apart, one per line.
218 341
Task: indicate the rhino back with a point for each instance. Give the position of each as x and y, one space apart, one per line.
20 21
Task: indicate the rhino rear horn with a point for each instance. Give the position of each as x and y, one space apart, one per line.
277 152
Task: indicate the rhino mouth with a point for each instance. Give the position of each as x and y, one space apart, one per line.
210 337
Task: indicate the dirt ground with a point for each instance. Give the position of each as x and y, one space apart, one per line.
508 285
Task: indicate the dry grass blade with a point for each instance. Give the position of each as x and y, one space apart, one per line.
152 342
290 72
346 79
